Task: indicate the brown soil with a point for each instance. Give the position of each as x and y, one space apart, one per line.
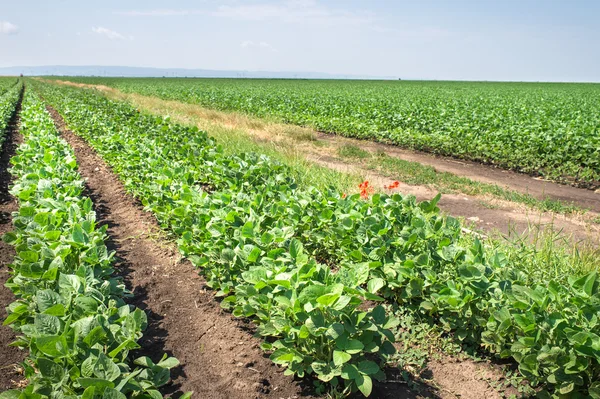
219 357
10 357
465 379
446 378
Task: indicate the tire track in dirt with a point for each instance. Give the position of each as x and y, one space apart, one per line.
218 358
10 357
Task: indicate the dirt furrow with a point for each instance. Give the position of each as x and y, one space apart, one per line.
219 359
10 357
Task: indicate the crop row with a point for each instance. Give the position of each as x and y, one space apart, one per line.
269 246
70 311
7 83
547 129
8 103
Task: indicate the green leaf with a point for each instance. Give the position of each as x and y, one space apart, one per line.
567 387
50 370
94 336
296 248
69 283
248 230
351 346
9 238
378 314
11 394
154 394
105 368
169 363
56 310
349 371
586 283
29 256
368 367
53 346
375 284
144 361
47 324
340 357
255 275
46 299
593 390
78 234
364 384
312 292
98 383
335 330
111 393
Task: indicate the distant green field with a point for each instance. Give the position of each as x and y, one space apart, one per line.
550 129
6 82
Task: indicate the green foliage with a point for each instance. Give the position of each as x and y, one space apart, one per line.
271 249
7 83
10 90
69 311
541 128
218 209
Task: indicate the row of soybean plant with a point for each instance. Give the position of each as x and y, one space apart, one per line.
69 310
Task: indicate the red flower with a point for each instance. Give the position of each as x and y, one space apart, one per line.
392 186
365 189
343 195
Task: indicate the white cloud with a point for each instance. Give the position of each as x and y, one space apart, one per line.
156 13
8 28
260 45
110 34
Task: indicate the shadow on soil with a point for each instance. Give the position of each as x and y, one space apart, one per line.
10 356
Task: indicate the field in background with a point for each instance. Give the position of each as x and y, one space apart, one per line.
547 129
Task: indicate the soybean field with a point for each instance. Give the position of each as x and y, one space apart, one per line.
545 129
334 294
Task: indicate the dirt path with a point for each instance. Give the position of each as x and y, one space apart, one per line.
492 216
537 187
218 358
483 212
10 356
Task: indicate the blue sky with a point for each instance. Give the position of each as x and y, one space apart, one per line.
474 40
